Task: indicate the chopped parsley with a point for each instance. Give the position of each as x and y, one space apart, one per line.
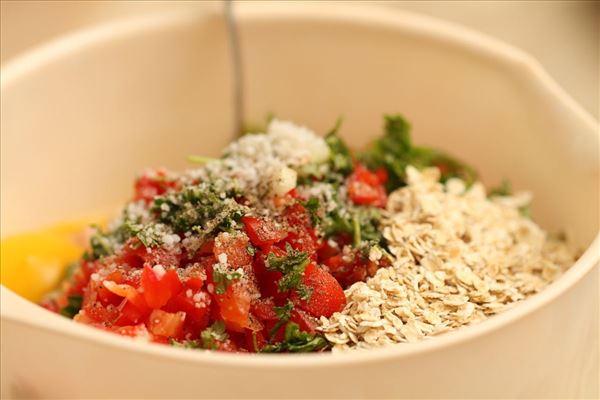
394 151
222 278
292 267
312 206
284 313
73 306
214 334
296 341
186 344
340 156
100 245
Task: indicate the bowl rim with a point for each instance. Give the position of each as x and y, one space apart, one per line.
444 32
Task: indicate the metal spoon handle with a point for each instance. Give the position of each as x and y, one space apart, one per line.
237 76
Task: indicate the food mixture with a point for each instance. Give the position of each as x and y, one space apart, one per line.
290 242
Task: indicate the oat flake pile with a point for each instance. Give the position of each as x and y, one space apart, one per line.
458 258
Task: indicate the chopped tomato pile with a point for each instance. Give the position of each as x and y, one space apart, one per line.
247 252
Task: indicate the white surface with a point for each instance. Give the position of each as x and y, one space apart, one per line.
473 96
563 35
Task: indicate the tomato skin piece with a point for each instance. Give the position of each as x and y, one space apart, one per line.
305 322
263 309
165 324
147 187
197 318
255 341
157 292
235 247
262 232
366 187
327 295
233 306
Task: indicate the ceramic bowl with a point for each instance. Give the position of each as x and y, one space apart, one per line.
82 114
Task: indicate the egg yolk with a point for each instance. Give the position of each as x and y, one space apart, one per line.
32 264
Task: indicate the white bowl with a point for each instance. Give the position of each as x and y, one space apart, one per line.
83 114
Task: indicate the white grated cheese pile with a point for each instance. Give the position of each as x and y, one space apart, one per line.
458 258
264 164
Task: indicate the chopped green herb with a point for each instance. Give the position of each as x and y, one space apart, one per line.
73 306
504 189
284 313
200 159
214 334
223 278
296 341
251 250
147 234
312 206
186 344
100 245
394 151
340 156
291 266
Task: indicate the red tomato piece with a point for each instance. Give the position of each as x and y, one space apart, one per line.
263 309
327 295
262 232
147 187
234 306
254 341
365 188
305 322
165 324
235 248
195 304
158 291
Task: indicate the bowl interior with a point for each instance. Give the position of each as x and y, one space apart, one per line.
83 115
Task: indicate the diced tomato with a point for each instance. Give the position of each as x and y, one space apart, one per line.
158 291
382 175
301 240
196 308
131 314
262 232
305 322
263 309
254 341
235 248
148 187
268 280
296 215
138 330
95 311
366 188
327 296
165 324
232 306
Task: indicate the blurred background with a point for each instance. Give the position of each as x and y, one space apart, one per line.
563 35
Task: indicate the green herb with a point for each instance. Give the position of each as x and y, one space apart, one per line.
296 341
100 245
73 306
146 234
504 189
284 313
200 159
291 266
360 222
340 156
223 278
313 206
186 344
250 250
214 334
197 206
394 151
